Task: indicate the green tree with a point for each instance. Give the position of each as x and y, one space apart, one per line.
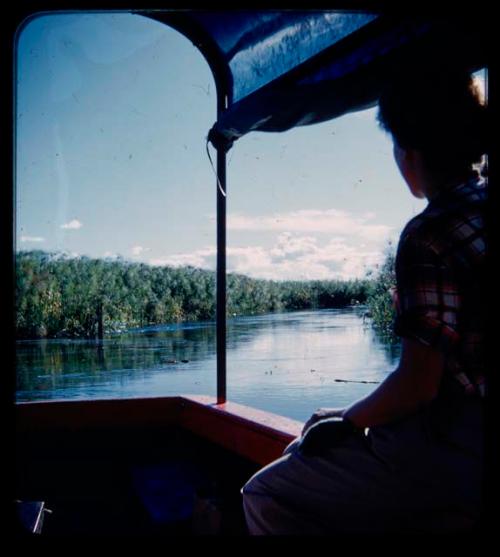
379 301
57 295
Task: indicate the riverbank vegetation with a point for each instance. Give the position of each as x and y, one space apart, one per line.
379 301
60 296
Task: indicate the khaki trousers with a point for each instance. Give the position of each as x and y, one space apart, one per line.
421 474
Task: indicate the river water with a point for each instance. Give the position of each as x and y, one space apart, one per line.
286 363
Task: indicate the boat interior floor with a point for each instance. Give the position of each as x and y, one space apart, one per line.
156 481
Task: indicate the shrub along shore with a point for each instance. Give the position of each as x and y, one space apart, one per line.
80 297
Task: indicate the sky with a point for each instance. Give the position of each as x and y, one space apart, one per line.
112 114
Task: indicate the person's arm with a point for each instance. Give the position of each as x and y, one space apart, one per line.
415 382
427 302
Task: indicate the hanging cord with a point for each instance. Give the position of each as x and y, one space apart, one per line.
215 172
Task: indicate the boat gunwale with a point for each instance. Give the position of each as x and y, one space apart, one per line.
257 435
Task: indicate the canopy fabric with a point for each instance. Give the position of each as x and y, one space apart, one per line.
261 46
275 70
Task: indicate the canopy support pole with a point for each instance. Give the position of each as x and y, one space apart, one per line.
221 264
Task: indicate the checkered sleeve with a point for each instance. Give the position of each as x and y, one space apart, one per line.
428 297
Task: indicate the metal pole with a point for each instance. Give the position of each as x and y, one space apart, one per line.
221 277
222 104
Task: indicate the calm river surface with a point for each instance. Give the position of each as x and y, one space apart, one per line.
286 363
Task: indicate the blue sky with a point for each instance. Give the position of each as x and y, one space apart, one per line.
112 115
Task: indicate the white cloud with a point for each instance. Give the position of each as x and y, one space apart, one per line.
110 255
204 258
37 239
291 257
305 259
331 221
249 260
65 254
306 244
75 224
289 245
137 250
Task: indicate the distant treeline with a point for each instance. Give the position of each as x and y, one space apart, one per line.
58 296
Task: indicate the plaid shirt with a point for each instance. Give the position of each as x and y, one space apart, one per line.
440 273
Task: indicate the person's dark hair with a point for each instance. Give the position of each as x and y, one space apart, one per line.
439 112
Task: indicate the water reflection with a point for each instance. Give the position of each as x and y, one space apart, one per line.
305 360
287 363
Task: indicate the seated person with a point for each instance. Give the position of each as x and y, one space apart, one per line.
409 456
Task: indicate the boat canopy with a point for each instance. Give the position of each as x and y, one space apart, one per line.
275 70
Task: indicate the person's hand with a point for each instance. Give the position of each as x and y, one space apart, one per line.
322 414
324 435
